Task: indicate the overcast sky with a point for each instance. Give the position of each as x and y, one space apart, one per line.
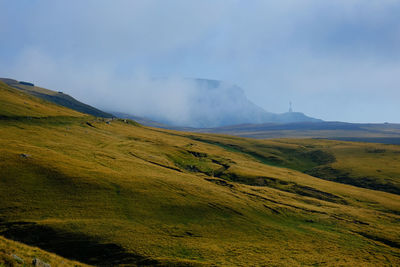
335 60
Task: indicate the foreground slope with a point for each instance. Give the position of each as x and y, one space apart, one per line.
109 192
16 254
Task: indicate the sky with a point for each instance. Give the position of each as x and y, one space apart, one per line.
335 60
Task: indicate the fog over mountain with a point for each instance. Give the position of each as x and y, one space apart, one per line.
336 60
199 103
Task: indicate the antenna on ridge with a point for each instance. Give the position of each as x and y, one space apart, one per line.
290 107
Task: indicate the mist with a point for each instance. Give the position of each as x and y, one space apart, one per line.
335 61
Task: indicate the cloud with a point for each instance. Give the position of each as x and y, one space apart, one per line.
337 60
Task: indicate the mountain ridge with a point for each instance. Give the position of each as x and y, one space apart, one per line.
58 98
211 103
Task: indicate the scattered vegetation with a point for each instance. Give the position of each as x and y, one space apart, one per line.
353 163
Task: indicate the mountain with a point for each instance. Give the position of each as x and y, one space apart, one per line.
223 104
110 192
216 103
208 103
56 97
202 103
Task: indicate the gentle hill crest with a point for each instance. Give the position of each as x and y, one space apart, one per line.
55 97
16 103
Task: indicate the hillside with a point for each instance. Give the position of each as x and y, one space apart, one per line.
15 104
367 165
17 254
58 98
113 192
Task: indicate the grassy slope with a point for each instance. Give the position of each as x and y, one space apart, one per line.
14 103
9 248
58 98
119 193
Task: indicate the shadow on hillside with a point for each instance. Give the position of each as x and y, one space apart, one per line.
73 246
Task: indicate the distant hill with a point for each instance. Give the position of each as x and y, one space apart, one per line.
55 97
387 133
293 117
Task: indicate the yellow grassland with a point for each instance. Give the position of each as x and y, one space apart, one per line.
155 195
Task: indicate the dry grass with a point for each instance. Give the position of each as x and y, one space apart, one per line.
119 193
17 104
368 165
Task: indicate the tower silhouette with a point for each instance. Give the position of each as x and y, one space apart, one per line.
290 107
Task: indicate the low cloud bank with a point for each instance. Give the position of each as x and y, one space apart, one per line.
185 102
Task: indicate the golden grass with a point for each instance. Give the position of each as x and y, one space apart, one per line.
155 195
14 103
